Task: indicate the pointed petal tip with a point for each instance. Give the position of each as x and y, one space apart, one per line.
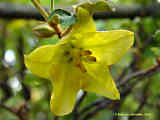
25 56
25 59
59 112
131 33
116 95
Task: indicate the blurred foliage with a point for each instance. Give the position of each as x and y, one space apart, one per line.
11 59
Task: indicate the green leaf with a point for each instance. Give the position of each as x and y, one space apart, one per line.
157 35
156 51
62 17
98 5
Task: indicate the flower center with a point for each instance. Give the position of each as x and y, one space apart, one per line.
78 56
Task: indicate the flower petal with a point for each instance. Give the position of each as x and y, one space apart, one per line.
84 22
108 46
40 60
101 82
66 80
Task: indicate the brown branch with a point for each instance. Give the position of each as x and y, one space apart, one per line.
3 69
102 106
125 70
12 11
6 108
144 99
92 105
142 74
21 72
55 118
18 110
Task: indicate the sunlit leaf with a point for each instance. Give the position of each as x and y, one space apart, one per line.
64 17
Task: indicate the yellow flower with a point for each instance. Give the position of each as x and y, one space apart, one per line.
80 61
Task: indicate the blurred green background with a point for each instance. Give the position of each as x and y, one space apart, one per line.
25 96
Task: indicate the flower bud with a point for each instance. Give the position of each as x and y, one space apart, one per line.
44 31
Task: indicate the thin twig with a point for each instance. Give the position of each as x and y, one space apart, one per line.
132 64
94 104
144 98
57 28
51 5
67 31
131 76
98 108
21 71
3 69
40 8
143 73
56 117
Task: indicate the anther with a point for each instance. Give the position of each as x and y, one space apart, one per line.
67 53
85 52
80 66
72 46
91 58
70 59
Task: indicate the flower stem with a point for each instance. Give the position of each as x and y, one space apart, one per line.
52 5
67 31
40 8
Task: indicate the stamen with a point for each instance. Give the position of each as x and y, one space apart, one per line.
72 46
91 58
70 59
66 53
85 52
80 66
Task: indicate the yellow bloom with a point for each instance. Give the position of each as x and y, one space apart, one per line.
80 61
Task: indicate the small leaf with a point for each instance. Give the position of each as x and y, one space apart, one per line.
156 51
64 17
157 35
